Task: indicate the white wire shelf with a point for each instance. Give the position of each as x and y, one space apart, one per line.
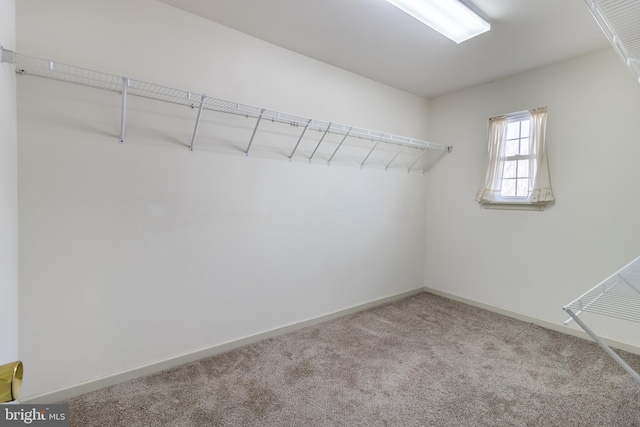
28 65
620 22
618 296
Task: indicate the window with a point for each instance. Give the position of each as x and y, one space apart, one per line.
517 168
518 163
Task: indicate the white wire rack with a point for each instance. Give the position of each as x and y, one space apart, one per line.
28 65
620 22
617 296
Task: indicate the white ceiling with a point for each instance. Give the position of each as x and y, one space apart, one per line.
376 40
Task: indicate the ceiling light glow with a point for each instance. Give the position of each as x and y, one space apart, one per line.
448 17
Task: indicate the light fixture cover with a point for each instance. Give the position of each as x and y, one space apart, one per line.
448 17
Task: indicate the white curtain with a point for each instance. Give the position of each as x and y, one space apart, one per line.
490 190
539 181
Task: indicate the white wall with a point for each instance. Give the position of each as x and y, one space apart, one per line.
139 252
533 263
8 191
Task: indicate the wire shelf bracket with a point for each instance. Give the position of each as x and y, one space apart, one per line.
300 139
371 152
38 67
386 167
7 56
617 296
320 142
339 145
125 85
430 166
195 127
253 135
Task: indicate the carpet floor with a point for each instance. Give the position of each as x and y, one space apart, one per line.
420 361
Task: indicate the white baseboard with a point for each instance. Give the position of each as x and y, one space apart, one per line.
529 319
119 377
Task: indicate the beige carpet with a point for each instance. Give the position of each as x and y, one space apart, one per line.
421 361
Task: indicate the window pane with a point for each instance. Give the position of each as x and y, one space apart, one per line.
512 148
522 187
513 130
524 146
523 168
509 169
524 132
508 188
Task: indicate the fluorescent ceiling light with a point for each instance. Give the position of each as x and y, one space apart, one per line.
448 17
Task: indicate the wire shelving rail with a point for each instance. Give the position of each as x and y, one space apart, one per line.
619 20
33 66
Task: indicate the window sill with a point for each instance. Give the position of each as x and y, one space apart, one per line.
523 206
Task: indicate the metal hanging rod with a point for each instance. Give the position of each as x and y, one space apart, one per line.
39 67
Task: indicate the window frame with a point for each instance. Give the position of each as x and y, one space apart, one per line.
519 117
539 192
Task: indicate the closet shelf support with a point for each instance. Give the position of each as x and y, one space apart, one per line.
339 145
300 139
446 151
424 151
604 346
320 142
125 85
369 154
253 135
195 128
394 157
